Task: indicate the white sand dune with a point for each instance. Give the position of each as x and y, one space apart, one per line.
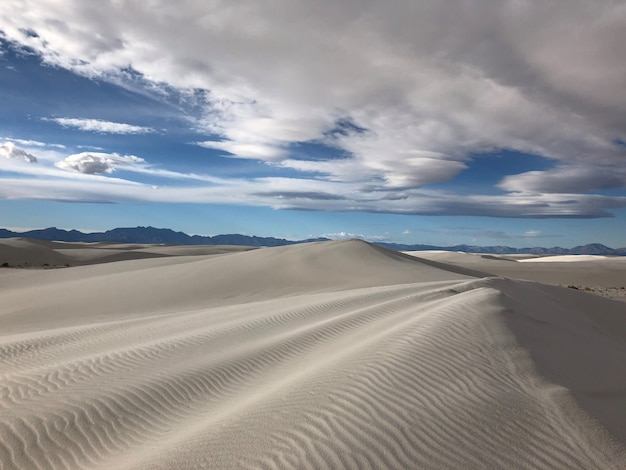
326 355
566 259
560 270
24 252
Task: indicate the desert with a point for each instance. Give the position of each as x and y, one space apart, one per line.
312 234
335 354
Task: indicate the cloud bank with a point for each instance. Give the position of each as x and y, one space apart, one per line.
406 90
83 177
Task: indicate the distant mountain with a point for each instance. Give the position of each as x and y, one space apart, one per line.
591 249
165 236
149 235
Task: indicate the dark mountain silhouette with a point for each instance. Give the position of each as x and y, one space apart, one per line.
591 249
148 235
165 236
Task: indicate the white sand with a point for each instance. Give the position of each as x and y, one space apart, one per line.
29 253
326 355
609 272
565 259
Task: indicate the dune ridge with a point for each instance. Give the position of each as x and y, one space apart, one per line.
328 355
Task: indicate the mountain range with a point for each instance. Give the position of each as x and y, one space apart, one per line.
152 235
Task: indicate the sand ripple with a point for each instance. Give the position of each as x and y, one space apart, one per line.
328 356
421 375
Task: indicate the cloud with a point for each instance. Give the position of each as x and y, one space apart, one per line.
287 194
410 172
92 163
253 150
495 234
567 179
535 234
96 163
438 77
104 127
404 94
347 236
295 195
88 168
9 150
85 177
35 143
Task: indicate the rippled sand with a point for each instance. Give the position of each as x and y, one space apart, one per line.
325 355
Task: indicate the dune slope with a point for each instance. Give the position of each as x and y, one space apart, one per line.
335 355
25 252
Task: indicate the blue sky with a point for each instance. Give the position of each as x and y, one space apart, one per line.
499 122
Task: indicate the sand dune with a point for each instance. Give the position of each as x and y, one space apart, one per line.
24 252
327 355
560 270
565 259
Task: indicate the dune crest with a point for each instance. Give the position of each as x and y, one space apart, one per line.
328 355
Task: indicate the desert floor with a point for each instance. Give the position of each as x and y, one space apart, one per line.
323 355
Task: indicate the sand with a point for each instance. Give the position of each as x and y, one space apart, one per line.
602 273
324 355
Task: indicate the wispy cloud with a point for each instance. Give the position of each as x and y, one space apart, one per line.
494 234
89 167
87 176
34 143
347 236
286 193
103 127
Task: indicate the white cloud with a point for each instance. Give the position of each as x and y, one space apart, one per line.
257 151
87 166
35 143
478 234
104 127
567 179
9 150
93 163
533 234
290 193
412 171
347 236
82 177
406 91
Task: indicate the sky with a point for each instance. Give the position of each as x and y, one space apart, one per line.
488 122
